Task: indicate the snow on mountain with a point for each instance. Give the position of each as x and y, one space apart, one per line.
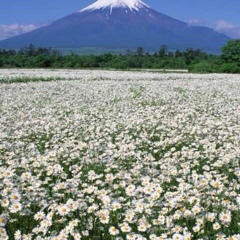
103 4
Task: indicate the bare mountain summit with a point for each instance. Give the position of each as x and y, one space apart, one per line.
120 24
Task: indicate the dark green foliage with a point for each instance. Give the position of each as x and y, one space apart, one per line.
163 51
27 79
231 52
230 68
201 67
193 54
228 62
140 51
32 57
192 59
231 57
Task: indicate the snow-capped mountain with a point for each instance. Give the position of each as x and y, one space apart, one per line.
119 24
110 4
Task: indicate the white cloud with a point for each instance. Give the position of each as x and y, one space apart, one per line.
227 28
195 22
220 26
223 25
12 30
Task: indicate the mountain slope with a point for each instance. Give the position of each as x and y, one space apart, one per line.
120 24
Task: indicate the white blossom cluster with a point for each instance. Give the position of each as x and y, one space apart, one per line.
119 155
106 75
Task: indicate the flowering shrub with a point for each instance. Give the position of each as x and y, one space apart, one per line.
118 155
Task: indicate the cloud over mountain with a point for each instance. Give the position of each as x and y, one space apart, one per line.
7 31
221 26
227 28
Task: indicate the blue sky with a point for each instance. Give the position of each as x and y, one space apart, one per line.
19 16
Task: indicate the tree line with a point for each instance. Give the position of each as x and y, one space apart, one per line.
194 60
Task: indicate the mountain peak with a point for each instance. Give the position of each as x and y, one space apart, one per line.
119 24
102 4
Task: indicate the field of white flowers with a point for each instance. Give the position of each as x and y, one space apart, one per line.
99 155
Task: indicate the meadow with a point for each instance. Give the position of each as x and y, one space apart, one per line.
114 155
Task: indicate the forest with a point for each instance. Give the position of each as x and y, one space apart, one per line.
192 59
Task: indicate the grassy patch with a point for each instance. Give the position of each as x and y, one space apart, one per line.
28 79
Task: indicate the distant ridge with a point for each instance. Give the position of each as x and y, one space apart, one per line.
120 24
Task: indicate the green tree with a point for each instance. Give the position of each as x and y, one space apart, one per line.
1 63
129 52
201 67
178 53
163 51
192 54
140 51
229 68
231 52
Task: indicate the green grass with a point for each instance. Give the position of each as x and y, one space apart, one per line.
28 79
